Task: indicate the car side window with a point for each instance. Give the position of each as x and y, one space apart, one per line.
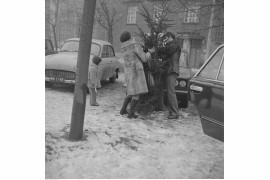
211 69
105 52
221 72
111 51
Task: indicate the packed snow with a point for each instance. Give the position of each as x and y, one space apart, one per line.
113 146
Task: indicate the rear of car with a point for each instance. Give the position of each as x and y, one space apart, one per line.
207 94
181 86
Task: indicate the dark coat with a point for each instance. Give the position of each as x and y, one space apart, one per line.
172 52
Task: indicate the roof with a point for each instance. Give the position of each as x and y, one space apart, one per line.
93 40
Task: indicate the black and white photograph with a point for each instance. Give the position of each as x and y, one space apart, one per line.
134 89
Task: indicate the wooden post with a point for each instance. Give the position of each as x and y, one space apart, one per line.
80 92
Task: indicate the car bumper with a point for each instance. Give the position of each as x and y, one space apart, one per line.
181 91
57 81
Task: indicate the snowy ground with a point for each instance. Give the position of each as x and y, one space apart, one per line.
117 147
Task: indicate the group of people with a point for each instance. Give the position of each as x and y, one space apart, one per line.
135 79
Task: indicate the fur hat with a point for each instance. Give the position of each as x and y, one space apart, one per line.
125 36
96 60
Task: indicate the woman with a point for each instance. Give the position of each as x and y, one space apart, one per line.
134 74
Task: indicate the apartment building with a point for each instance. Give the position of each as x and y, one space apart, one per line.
191 24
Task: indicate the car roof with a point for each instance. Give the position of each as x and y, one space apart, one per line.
101 42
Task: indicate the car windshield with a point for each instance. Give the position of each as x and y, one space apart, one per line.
73 46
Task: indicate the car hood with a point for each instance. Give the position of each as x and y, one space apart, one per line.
66 61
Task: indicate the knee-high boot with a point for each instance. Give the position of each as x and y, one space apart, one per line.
131 113
125 104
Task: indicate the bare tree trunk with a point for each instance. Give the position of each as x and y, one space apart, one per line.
110 35
55 38
209 39
55 23
79 28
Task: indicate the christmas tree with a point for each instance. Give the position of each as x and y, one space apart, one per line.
155 67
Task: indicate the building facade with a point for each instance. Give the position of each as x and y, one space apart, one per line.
191 24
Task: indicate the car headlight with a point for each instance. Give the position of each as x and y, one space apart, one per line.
182 83
176 83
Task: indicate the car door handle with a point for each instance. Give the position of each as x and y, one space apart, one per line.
196 89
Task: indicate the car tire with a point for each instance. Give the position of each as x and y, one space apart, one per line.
48 84
113 78
183 102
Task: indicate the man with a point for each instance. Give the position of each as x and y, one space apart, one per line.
171 52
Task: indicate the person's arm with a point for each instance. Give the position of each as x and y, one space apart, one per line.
140 54
168 50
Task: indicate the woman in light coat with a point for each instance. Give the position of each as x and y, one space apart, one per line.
133 56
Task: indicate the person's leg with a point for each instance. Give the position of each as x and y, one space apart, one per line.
171 96
93 96
133 104
161 104
125 104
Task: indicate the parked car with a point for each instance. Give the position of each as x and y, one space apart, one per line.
49 49
61 67
207 94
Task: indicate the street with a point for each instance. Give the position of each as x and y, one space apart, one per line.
114 146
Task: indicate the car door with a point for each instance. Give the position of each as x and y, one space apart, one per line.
105 64
207 94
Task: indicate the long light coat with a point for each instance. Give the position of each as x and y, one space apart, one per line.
133 56
93 76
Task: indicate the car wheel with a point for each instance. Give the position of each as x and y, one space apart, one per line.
183 102
48 84
113 78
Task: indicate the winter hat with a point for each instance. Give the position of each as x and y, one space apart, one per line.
170 34
96 60
125 36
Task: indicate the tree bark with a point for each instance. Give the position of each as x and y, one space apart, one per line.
55 38
79 101
55 23
110 35
209 39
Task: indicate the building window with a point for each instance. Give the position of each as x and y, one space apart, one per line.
220 32
158 10
131 16
192 14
